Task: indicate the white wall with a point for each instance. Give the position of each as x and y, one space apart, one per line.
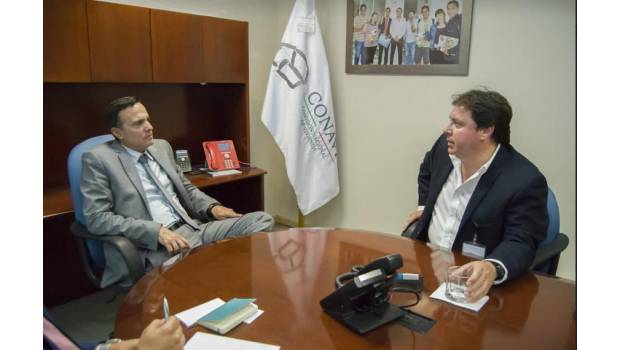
524 49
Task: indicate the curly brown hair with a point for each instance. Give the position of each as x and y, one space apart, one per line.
488 108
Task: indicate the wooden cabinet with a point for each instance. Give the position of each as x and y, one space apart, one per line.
177 47
120 42
65 41
94 41
225 50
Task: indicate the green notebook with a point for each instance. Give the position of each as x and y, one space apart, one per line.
229 315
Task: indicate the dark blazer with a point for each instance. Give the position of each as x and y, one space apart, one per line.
453 29
382 25
508 209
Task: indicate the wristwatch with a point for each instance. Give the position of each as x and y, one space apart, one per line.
210 210
107 344
499 270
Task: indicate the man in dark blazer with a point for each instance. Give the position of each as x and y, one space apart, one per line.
384 28
132 187
476 191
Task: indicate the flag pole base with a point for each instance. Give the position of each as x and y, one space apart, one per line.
300 219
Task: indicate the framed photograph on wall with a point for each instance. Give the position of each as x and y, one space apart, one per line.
421 37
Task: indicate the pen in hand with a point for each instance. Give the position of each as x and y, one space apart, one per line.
166 309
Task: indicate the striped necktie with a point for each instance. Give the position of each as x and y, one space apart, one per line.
144 159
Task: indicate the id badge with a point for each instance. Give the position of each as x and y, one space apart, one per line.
474 250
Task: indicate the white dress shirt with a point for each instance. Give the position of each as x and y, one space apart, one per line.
159 207
410 35
451 203
398 28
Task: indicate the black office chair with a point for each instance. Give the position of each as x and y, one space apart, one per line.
90 246
548 253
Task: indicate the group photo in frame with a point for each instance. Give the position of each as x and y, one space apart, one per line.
424 37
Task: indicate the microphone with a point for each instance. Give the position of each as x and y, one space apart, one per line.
388 264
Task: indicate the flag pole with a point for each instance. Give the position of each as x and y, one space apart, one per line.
300 219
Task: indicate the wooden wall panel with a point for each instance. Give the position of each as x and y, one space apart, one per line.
184 114
225 50
177 47
120 42
65 41
229 114
244 196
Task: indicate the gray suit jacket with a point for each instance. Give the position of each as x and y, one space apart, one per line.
115 202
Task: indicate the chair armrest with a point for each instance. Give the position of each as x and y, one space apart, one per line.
408 232
120 243
548 251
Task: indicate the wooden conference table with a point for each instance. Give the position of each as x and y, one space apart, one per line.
289 272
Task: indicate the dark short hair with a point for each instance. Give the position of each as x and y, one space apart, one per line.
363 5
488 108
453 2
401 10
425 7
113 109
388 9
440 11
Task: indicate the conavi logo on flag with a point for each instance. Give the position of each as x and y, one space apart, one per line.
298 110
291 65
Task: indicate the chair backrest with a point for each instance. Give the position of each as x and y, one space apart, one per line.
554 218
74 167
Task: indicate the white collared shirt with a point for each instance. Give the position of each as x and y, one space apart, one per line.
398 28
410 35
159 207
451 203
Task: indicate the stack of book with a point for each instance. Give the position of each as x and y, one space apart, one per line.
229 315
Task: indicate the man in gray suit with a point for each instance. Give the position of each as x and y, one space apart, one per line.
133 187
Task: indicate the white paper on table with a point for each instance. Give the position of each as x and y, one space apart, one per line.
440 294
190 316
202 341
254 316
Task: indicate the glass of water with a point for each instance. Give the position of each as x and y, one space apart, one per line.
456 283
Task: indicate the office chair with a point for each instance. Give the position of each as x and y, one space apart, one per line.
408 232
90 246
548 253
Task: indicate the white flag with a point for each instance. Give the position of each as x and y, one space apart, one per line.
298 110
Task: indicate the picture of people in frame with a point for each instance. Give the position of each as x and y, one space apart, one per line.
406 32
